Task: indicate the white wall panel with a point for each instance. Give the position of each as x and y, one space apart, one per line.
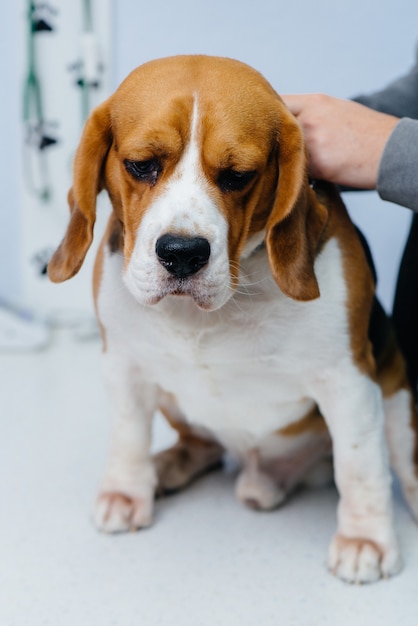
10 181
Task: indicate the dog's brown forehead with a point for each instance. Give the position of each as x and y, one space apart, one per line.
234 101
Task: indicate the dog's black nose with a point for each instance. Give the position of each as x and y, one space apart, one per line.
182 256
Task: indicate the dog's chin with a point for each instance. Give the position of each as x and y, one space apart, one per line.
205 301
202 303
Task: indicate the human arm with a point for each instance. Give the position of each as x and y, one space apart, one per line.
345 139
357 147
398 169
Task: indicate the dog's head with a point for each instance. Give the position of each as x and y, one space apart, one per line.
203 163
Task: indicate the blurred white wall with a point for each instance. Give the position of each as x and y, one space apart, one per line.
10 178
341 47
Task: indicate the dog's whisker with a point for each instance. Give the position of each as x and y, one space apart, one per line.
248 279
247 293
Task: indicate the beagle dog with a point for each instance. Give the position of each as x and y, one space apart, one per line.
237 299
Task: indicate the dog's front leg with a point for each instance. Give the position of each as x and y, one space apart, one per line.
126 496
364 548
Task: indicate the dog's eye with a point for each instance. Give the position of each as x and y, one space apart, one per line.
231 180
146 171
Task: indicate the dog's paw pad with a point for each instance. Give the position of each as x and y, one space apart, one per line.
361 561
116 512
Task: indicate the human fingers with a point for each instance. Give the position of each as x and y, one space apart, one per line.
295 102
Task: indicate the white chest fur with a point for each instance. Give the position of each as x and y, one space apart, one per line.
247 368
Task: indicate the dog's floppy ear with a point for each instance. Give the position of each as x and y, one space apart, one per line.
297 218
88 163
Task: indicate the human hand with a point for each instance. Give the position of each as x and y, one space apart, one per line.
345 139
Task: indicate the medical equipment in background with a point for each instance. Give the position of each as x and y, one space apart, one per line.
38 133
20 327
89 66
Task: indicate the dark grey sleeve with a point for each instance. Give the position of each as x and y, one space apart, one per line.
399 98
398 171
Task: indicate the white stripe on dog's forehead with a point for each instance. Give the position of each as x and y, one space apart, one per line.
190 163
186 196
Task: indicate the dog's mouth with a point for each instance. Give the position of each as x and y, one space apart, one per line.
209 289
187 288
206 297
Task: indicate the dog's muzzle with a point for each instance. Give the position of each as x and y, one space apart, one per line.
182 256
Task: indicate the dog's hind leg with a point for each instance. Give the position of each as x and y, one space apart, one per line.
192 456
401 418
402 437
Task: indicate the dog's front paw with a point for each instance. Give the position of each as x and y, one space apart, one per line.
356 560
117 512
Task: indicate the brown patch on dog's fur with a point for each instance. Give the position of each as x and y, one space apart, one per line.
358 278
115 237
391 370
312 421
